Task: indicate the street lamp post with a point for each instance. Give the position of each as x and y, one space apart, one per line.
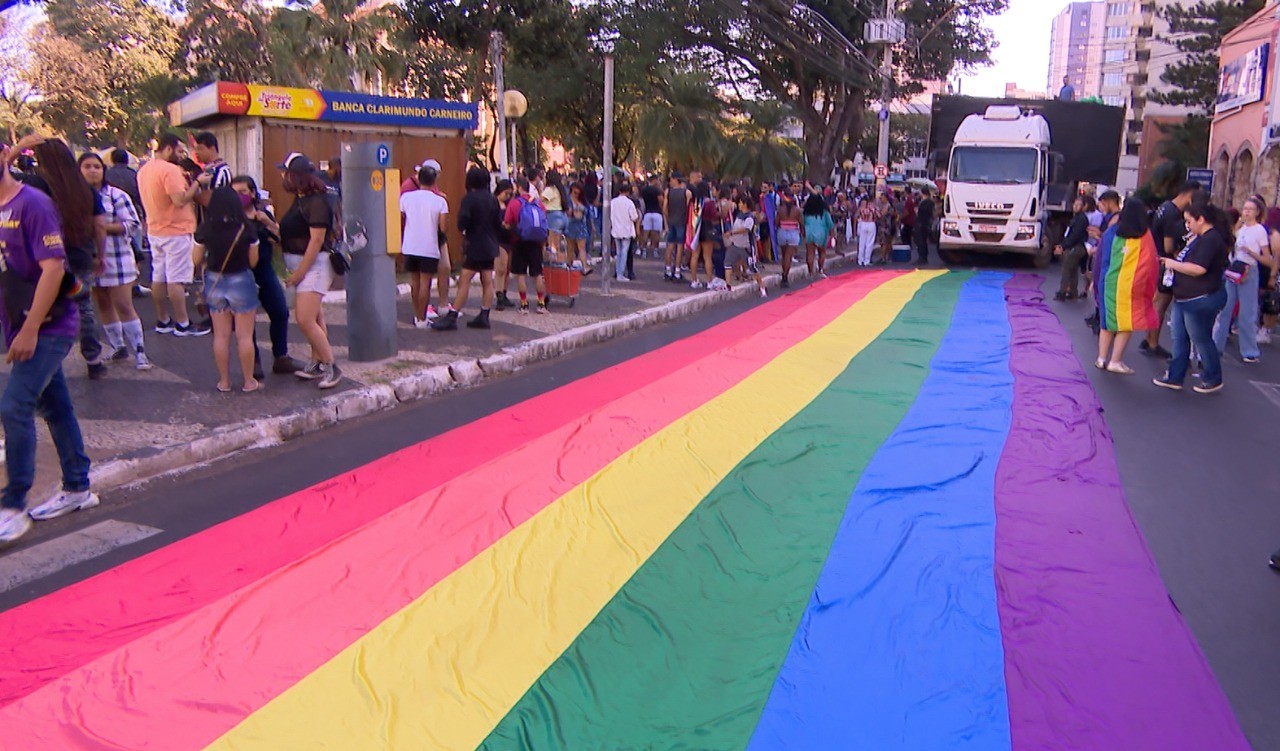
605 43
495 54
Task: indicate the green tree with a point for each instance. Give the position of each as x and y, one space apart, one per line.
337 44
682 123
801 59
1197 31
102 68
224 40
754 147
19 97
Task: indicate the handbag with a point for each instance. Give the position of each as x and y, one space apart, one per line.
1237 272
339 261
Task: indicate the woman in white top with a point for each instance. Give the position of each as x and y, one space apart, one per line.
555 199
1252 254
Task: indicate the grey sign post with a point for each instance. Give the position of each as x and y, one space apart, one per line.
371 282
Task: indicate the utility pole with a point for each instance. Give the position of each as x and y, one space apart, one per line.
606 185
500 137
887 31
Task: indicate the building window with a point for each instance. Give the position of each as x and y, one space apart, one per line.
1119 9
1117 32
1113 56
1112 80
1113 100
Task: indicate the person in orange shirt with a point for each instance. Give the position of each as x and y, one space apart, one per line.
171 222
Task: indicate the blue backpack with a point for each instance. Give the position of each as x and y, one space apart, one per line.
532 226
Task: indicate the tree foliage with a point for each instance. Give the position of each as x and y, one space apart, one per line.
804 62
1197 31
102 67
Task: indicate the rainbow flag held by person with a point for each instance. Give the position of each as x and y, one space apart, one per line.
1125 272
694 224
730 542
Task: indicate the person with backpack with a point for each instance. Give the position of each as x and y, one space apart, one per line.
527 219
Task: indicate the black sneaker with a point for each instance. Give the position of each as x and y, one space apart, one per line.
121 353
446 322
1274 560
1250 360
524 308
785 283
1207 388
542 308
97 370
164 327
191 329
479 322
503 302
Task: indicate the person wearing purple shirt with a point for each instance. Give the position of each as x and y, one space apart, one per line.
40 326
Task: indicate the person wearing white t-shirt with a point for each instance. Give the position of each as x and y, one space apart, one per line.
1252 251
624 228
424 212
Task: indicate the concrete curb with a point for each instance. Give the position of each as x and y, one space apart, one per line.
349 405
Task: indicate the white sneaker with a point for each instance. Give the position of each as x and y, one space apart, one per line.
764 293
421 324
1264 335
695 284
431 314
622 279
64 503
141 362
13 525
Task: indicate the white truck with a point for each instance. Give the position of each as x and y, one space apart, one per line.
1007 190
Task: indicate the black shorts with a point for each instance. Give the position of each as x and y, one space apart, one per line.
421 265
526 259
477 264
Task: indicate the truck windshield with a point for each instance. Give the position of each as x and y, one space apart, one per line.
992 165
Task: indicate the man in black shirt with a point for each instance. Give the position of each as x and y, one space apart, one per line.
1073 251
923 226
651 220
1169 229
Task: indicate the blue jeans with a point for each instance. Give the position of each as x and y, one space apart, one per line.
90 347
38 387
1246 293
271 297
623 248
1192 322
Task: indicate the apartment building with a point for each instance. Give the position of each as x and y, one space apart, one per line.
1126 47
1075 51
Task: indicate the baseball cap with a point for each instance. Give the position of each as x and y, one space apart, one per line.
433 164
297 162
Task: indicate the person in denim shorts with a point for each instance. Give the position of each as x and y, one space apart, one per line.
230 248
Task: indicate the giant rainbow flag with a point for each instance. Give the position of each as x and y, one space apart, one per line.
881 513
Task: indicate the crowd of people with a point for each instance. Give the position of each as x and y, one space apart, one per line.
1210 271
549 218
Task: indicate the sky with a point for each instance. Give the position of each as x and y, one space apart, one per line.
1023 55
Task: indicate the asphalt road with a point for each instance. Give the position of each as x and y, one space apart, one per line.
1200 473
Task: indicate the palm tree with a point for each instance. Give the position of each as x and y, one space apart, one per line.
337 44
682 123
755 148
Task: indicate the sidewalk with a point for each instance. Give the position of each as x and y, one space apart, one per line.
135 423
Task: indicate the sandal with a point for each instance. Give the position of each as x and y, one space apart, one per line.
250 389
1100 364
1119 368
223 389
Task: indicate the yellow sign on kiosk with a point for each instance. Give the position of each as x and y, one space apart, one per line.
392 178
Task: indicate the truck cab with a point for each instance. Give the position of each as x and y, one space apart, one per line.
998 185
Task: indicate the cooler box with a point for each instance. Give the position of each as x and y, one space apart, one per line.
562 281
901 255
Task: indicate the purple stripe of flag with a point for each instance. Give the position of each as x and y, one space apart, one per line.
1097 656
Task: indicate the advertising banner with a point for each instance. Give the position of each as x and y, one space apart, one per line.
1243 80
253 100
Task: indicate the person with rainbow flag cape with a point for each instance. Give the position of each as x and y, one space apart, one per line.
1125 275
